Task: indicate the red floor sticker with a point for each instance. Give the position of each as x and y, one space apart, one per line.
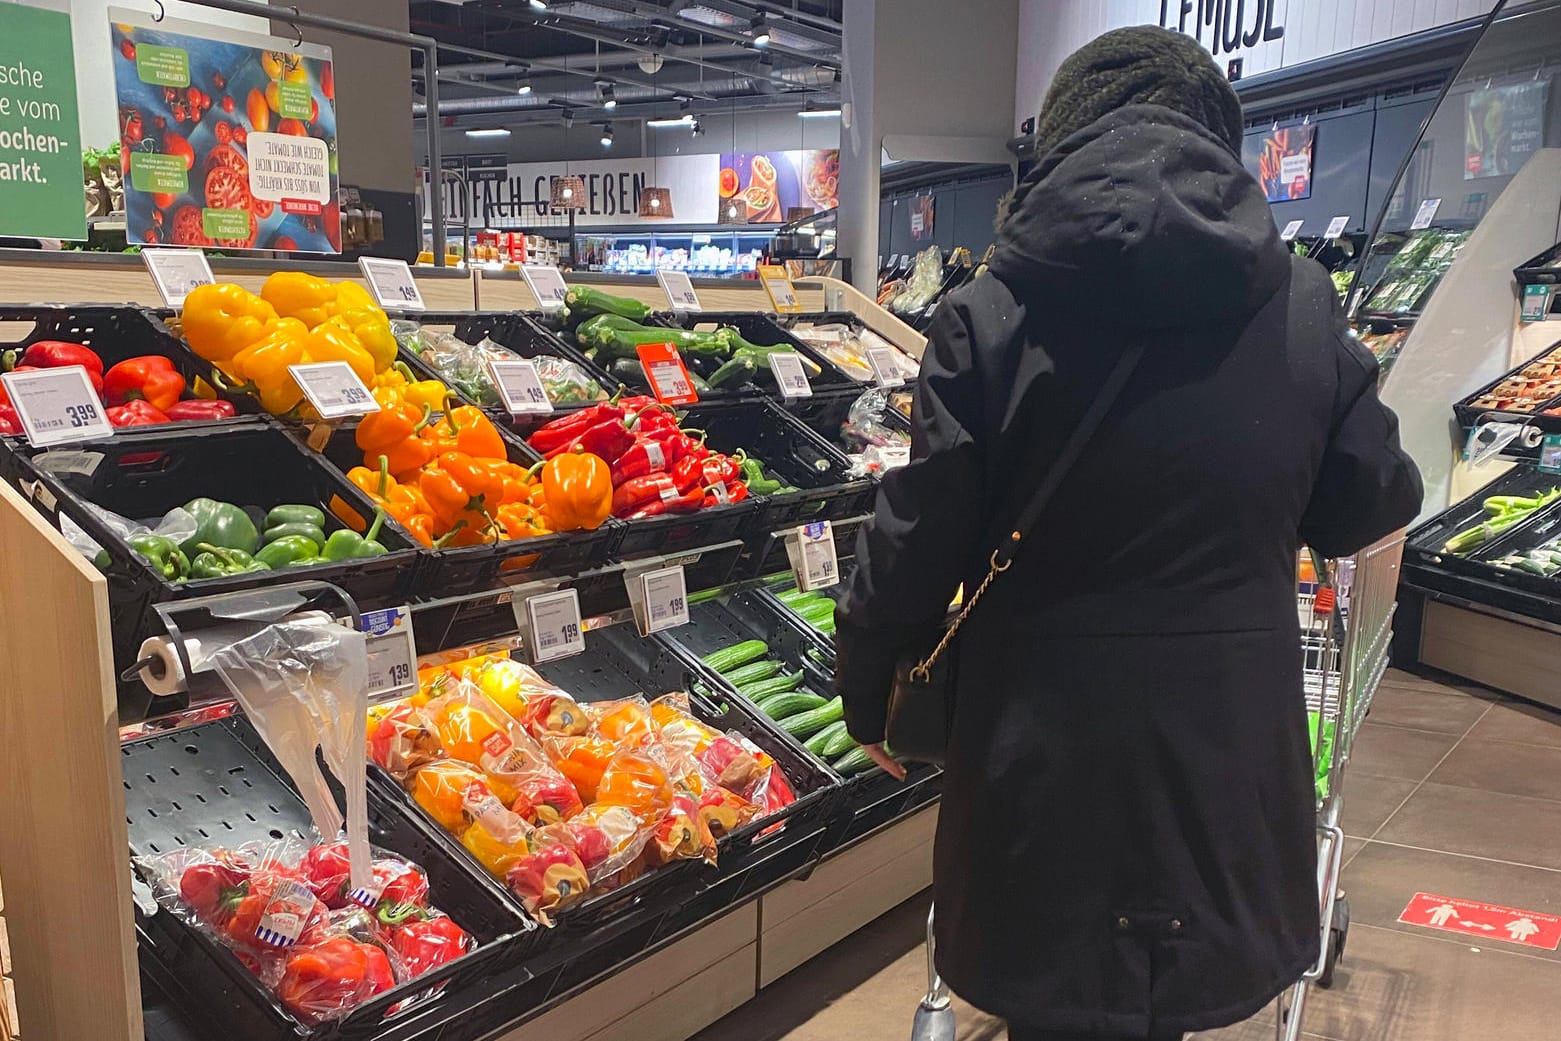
1490 921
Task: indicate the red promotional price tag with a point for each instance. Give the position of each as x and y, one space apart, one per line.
668 376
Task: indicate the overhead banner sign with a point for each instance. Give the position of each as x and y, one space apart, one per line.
230 138
1503 126
42 193
522 198
773 184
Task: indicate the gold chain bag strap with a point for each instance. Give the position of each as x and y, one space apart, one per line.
921 702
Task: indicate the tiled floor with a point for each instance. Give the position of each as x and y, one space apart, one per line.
1453 790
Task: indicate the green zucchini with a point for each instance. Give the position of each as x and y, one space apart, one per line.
739 370
791 702
792 597
759 670
625 343
729 658
841 742
764 688
596 325
853 762
808 723
820 743
588 301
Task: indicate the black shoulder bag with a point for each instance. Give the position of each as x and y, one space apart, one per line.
921 703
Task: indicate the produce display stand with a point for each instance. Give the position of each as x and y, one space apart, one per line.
651 962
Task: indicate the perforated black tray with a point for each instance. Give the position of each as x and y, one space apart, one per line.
217 784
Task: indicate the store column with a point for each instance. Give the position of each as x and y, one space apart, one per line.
925 80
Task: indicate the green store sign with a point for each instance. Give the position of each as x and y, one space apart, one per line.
41 185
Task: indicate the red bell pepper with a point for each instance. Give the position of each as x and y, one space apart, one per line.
326 869
200 409
57 354
10 422
215 888
548 878
276 901
335 974
135 414
591 843
426 943
547 800
150 377
696 473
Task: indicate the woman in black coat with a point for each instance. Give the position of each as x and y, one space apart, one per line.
1126 845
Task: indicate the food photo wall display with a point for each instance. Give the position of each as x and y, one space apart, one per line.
771 183
227 141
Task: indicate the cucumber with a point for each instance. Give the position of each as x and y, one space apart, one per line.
767 688
815 614
587 301
853 762
791 702
791 597
729 658
841 742
759 670
808 723
820 743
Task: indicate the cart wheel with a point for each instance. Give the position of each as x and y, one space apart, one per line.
1338 935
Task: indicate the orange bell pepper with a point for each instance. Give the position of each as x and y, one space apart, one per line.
458 488
478 436
516 480
578 489
441 788
392 432
625 723
583 760
517 520
636 781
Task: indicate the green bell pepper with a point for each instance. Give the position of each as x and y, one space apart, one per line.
313 532
295 513
218 562
347 544
163 554
288 551
220 524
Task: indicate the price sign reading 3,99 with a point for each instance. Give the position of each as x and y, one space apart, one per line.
333 389
56 406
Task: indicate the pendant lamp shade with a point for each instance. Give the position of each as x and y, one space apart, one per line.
655 203
569 192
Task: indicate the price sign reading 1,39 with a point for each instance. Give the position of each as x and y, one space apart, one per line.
392 284
392 651
333 389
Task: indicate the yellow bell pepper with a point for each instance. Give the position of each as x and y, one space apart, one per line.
301 296
391 379
430 393
372 329
331 341
262 366
221 319
350 296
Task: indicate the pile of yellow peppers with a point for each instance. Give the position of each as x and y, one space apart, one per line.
297 319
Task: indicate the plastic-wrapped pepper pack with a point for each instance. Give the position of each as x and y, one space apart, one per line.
289 913
560 799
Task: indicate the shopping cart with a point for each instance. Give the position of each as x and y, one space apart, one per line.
1346 633
1346 611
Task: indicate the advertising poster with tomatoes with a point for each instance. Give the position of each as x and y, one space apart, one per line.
773 182
227 143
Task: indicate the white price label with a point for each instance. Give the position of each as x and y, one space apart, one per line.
1291 230
885 366
1425 214
520 386
392 651
1336 227
666 599
790 376
547 285
392 284
333 389
176 272
554 623
679 290
814 562
57 406
895 456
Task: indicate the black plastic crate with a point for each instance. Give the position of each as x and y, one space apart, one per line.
826 414
765 331
217 784
1542 527
142 474
1469 414
1425 543
794 323
455 570
1544 269
768 555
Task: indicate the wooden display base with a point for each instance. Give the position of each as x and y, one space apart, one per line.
1496 650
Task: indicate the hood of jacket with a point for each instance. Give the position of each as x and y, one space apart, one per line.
1145 219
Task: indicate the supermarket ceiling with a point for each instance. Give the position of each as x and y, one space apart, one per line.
518 62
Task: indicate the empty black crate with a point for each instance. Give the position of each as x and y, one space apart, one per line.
141 475
217 785
454 570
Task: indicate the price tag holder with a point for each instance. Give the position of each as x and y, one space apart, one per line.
811 549
667 374
333 389
392 284
177 271
1425 214
520 386
1336 227
552 625
57 406
885 366
680 291
790 376
1291 230
547 285
783 295
659 599
1536 303
392 652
